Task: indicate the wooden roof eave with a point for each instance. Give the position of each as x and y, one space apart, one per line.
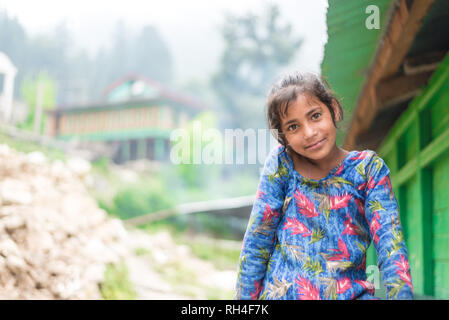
405 21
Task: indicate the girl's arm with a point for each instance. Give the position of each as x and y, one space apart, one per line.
258 241
382 214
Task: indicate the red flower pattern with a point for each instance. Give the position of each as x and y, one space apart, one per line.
404 270
360 156
297 227
367 285
339 170
259 194
343 285
338 202
305 205
385 181
371 184
258 289
375 226
269 214
306 290
350 228
343 249
361 206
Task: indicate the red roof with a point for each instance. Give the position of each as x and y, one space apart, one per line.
163 91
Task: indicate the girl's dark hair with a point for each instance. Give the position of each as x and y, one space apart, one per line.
288 88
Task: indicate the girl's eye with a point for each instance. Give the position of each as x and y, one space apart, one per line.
319 114
292 127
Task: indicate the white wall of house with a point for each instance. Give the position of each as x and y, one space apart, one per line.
8 72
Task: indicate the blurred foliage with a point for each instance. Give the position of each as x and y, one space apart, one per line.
256 49
219 227
185 280
223 258
168 188
197 175
139 251
140 198
79 77
102 164
29 94
145 53
29 90
116 285
29 146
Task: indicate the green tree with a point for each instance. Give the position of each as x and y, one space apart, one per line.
145 53
13 42
151 56
78 76
256 49
29 94
200 175
140 198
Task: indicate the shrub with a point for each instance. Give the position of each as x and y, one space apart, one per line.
116 285
141 198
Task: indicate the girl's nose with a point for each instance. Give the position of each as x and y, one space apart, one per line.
309 132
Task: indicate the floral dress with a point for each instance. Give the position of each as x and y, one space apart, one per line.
307 239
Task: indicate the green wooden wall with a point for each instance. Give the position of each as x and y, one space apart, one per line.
350 48
417 152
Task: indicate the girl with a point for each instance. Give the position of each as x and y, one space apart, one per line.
318 207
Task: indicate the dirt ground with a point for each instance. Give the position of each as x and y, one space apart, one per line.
164 270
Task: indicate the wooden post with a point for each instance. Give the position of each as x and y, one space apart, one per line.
158 149
141 148
124 151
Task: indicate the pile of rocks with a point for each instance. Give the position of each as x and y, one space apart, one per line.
54 240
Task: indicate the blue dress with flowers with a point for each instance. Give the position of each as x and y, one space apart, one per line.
307 239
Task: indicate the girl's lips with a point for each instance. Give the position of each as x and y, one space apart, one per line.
316 145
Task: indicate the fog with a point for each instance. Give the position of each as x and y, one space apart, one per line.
190 28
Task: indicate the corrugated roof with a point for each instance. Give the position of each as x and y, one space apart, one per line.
433 34
350 49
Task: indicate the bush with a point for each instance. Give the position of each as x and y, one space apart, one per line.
141 198
101 164
116 285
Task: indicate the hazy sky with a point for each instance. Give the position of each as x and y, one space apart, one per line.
191 28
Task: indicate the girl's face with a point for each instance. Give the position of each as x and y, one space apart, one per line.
308 127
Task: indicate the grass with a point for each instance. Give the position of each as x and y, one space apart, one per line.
223 255
220 294
183 279
223 258
117 285
29 146
185 282
141 251
206 247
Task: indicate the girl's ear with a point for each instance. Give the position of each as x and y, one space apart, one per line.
336 110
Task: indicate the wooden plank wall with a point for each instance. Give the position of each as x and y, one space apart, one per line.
417 152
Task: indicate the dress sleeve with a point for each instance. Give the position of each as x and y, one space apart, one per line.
258 241
382 214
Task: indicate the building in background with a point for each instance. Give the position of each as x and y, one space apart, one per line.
134 118
7 74
394 84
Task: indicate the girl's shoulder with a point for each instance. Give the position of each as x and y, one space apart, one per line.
279 164
276 162
366 156
369 161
